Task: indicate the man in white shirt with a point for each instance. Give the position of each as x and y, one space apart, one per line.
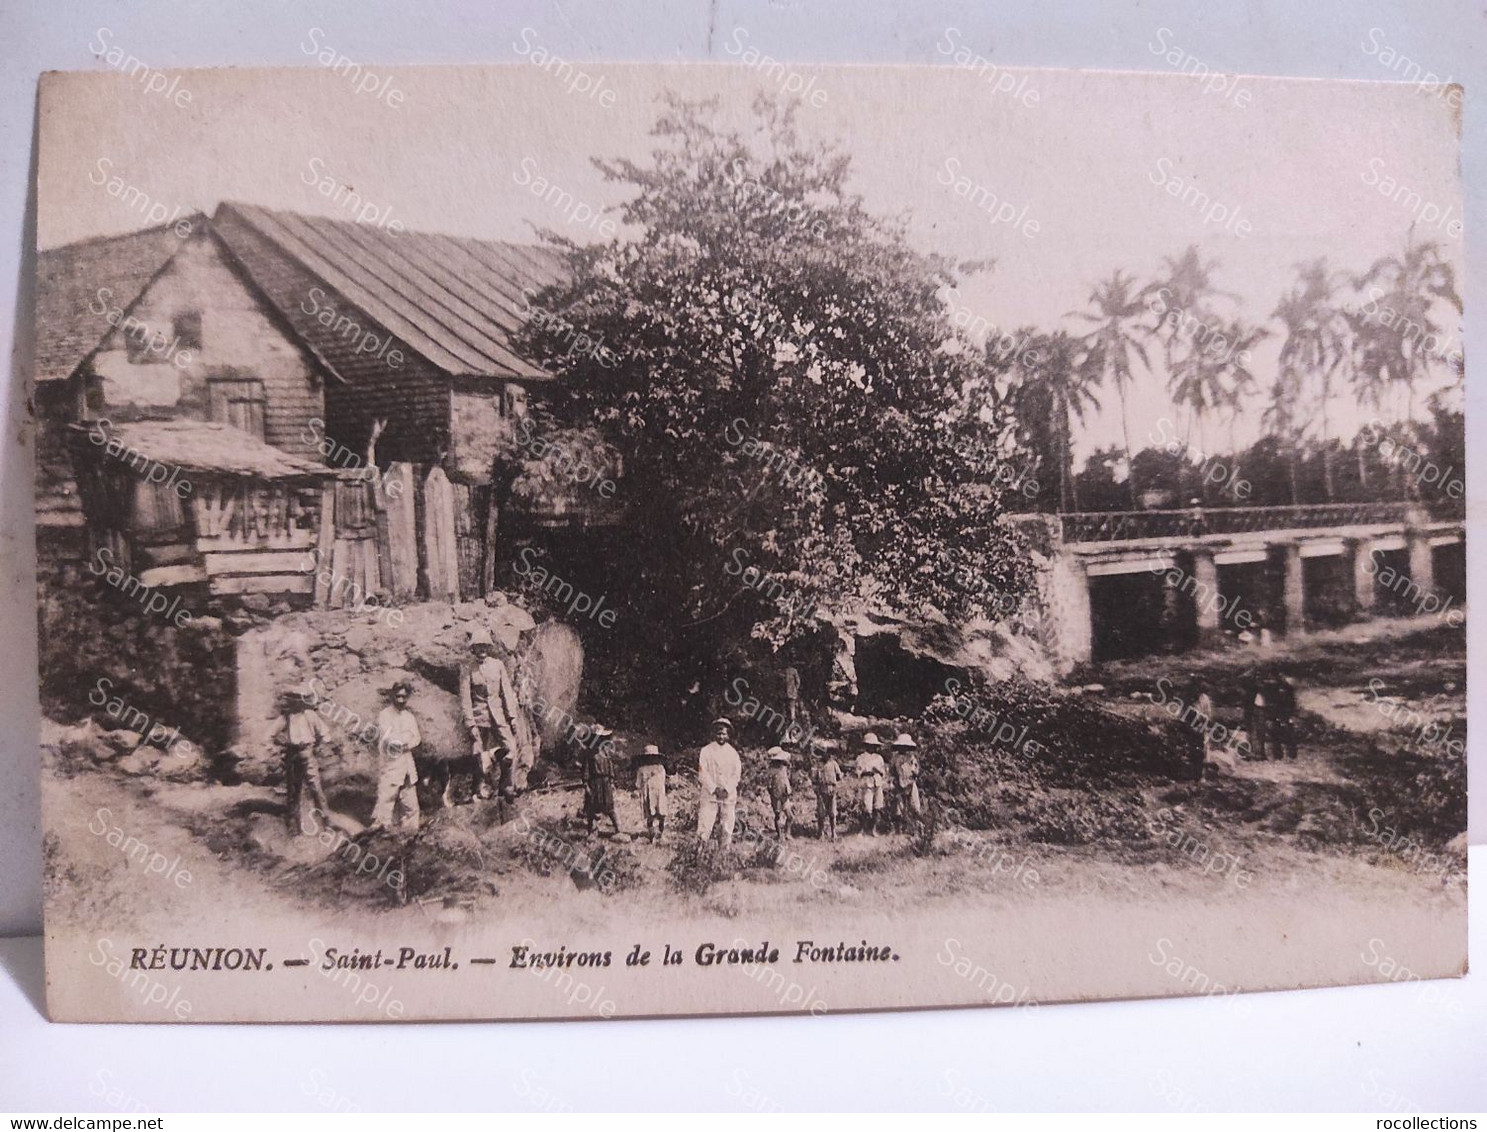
718 772
397 775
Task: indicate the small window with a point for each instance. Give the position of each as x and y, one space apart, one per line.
186 327
514 402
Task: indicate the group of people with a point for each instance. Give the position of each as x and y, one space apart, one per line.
883 777
503 744
887 789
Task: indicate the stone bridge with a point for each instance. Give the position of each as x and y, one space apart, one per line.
1124 583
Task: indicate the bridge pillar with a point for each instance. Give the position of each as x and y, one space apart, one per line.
1363 573
1206 590
1293 590
1422 563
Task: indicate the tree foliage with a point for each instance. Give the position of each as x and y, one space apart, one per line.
802 428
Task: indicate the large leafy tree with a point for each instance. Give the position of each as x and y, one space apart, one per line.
797 416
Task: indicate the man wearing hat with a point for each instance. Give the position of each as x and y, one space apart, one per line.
871 773
718 772
779 790
598 778
397 778
299 735
650 781
488 702
903 779
826 777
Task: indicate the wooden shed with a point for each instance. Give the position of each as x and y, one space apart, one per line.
180 502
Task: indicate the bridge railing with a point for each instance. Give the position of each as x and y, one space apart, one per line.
1194 522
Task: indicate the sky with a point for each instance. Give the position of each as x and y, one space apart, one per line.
1088 162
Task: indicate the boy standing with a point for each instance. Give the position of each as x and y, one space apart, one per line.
650 781
826 776
903 772
779 790
870 775
397 780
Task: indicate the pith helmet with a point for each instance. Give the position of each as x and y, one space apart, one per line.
871 740
778 755
480 635
904 739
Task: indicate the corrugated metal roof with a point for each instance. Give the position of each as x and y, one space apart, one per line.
454 300
70 289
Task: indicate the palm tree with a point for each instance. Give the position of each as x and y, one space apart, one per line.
1116 308
1397 323
1071 389
1235 382
1319 340
1282 420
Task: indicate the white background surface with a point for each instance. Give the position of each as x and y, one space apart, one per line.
1403 1048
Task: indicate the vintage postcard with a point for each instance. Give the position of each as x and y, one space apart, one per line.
550 540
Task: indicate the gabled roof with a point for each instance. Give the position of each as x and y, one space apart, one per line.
69 280
455 301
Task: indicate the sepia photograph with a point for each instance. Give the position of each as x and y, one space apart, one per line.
563 538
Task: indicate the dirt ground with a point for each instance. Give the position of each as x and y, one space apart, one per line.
1347 818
